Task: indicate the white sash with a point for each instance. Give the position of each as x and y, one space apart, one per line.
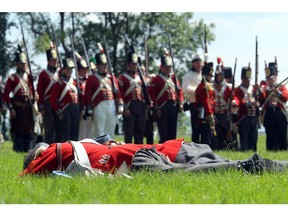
69 85
168 83
134 84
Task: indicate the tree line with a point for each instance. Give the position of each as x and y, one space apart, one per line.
187 35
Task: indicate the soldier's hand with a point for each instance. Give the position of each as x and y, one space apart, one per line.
120 109
211 122
12 114
126 113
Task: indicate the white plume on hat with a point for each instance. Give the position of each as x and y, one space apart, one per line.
165 51
100 48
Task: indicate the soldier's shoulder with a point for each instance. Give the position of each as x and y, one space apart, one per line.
12 77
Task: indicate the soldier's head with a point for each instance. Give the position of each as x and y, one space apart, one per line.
101 60
68 66
197 63
20 60
271 73
132 61
246 75
207 71
228 74
52 57
166 62
82 66
34 153
219 77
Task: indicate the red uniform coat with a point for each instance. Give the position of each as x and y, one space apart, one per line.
99 88
244 97
205 100
64 92
278 100
46 81
130 87
163 90
222 98
46 162
21 92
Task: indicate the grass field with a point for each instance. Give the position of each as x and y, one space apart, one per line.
178 187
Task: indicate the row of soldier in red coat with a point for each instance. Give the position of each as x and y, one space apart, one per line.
74 110
216 110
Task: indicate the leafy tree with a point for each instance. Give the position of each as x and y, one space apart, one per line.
6 54
186 34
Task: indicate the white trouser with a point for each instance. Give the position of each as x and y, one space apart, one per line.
86 128
105 118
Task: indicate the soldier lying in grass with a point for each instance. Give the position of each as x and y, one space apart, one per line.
108 157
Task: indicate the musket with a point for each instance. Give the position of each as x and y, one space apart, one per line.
144 86
256 71
256 82
146 56
270 93
205 40
229 128
29 65
76 68
114 87
85 53
175 80
206 63
56 44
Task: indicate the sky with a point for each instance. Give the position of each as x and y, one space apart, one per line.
236 38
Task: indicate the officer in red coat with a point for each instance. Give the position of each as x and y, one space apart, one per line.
65 103
20 104
205 102
167 102
134 114
247 118
274 111
46 80
99 97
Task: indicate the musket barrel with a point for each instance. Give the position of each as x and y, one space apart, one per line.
144 86
56 44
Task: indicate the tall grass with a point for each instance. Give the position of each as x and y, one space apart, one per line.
146 187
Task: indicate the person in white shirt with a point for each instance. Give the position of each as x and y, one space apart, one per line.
190 81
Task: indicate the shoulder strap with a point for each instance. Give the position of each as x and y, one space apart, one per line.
80 153
59 156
